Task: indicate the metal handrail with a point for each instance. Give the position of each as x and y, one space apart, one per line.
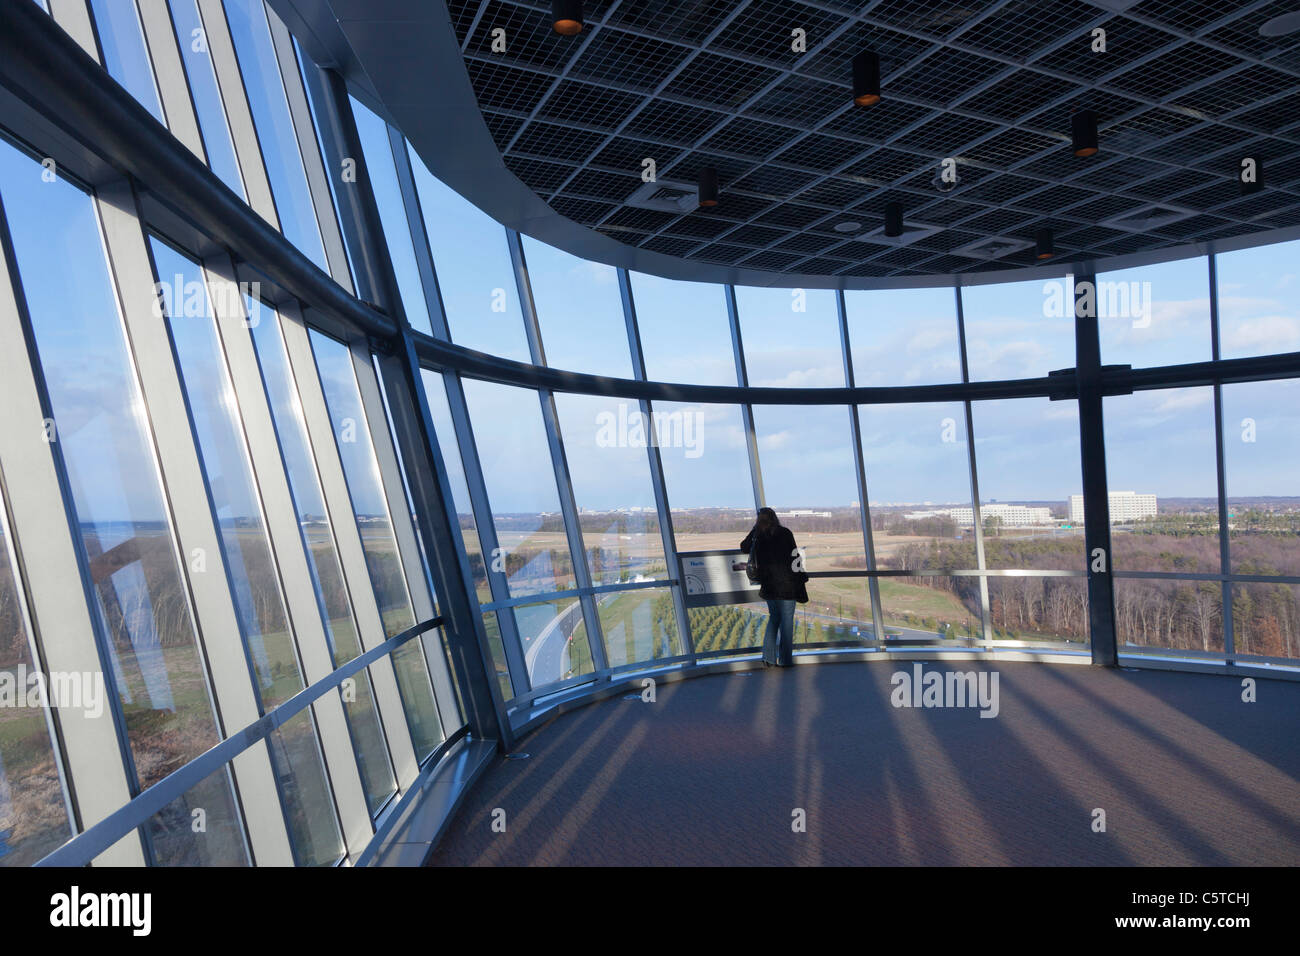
85 846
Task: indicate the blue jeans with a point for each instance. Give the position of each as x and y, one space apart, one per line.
779 648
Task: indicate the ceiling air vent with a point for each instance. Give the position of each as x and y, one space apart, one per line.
993 247
1148 217
666 196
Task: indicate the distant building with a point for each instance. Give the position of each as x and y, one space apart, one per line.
803 513
1125 507
1011 516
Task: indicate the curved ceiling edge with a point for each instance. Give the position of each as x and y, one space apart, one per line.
392 56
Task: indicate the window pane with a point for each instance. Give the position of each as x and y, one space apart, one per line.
918 477
685 333
206 94
361 468
903 337
579 310
706 471
806 457
254 577
838 611
605 442
125 57
516 461
553 648
440 410
1018 329
791 337
1264 618
1039 609
275 130
1258 310
392 213
170 830
1027 460
638 626
304 786
1155 315
1261 450
1171 614
475 275
931 605
322 556
103 434
1162 475
33 816
729 627
492 628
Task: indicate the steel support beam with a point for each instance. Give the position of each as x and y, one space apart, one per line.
1096 500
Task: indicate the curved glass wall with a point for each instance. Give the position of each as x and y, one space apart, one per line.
196 411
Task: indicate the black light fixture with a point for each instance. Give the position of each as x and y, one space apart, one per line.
893 219
1083 133
1043 241
866 78
708 186
567 17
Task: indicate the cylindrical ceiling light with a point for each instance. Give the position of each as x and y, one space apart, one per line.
1043 242
708 186
866 78
567 17
893 219
1083 133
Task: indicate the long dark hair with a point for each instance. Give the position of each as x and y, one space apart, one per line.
772 523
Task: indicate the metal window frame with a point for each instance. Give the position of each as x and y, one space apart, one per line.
302 604
161 47
239 114
219 632
657 482
859 469
44 527
347 536
559 463
1090 382
972 467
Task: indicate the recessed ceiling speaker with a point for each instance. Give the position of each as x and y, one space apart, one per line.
866 78
1083 133
849 225
1043 244
567 17
708 186
893 219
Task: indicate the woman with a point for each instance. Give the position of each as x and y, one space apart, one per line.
781 579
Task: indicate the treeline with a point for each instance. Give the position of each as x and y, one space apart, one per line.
1156 612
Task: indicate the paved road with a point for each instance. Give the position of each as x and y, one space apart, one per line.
546 654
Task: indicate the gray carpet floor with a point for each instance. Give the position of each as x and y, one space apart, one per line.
715 771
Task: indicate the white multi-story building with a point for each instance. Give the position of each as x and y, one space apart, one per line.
1011 516
1125 506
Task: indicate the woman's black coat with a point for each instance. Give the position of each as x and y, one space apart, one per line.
778 579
